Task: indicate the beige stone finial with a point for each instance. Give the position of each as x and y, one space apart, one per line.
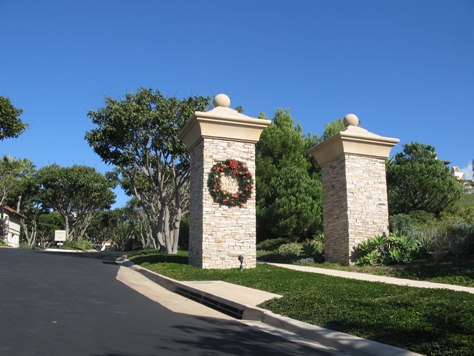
221 100
351 120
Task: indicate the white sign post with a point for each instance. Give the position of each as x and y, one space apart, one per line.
59 235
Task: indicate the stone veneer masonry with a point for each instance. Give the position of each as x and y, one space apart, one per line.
227 232
354 204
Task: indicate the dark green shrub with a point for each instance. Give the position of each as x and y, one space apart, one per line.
313 249
290 250
77 245
184 233
460 213
420 217
461 238
2 242
271 244
401 223
446 236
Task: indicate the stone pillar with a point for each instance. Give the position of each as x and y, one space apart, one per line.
222 228
355 205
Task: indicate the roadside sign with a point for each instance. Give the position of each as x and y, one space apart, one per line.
59 235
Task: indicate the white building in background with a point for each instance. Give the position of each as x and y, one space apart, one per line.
457 173
11 225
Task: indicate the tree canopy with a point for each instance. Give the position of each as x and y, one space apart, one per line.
78 193
332 128
418 180
138 135
12 172
289 189
10 124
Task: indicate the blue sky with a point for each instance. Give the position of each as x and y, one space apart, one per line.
404 67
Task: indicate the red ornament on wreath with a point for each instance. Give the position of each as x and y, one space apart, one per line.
237 170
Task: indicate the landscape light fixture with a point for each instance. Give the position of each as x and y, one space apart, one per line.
241 259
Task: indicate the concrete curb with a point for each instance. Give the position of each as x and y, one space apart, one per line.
344 342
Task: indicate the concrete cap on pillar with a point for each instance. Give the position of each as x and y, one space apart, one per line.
221 100
351 120
221 123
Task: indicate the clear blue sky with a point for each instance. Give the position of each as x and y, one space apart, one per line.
404 67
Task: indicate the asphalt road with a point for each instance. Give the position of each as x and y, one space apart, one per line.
72 304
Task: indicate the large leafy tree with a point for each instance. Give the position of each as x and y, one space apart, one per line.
418 180
78 193
289 190
142 231
13 173
114 225
138 135
24 197
10 124
333 128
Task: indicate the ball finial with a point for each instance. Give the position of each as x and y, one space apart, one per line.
221 100
351 120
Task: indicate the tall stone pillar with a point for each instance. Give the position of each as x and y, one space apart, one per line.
355 205
221 143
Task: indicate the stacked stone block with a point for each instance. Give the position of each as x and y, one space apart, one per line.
224 232
355 204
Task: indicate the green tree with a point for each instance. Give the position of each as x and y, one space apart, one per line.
142 231
47 223
25 198
289 190
333 128
78 193
138 134
13 172
10 124
418 180
112 225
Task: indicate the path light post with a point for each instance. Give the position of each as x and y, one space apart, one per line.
241 260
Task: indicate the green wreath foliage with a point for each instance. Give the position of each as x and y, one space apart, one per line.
230 167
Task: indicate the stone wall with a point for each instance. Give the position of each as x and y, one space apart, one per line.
336 229
224 232
354 204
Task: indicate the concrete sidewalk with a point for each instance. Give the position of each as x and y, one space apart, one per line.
374 278
241 302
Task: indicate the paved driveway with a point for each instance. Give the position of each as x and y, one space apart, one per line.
72 304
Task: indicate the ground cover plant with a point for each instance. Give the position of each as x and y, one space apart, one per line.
450 269
427 321
77 245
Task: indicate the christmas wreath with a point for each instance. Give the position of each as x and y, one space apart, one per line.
240 171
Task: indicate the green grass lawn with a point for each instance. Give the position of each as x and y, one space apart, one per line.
427 321
450 270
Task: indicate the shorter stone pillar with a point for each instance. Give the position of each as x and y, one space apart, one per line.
355 204
222 231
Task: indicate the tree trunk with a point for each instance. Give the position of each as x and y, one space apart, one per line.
167 231
176 239
66 223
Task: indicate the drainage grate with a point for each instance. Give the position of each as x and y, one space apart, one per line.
211 303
